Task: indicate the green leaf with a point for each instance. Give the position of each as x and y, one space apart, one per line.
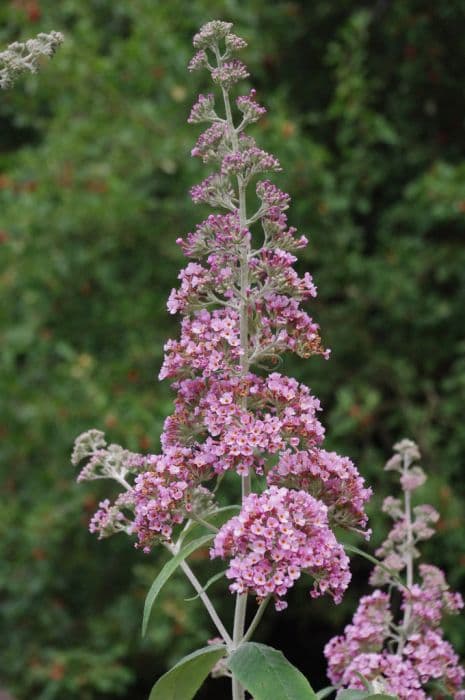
183 680
268 675
210 581
167 571
325 692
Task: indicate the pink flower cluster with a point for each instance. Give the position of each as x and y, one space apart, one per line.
200 286
427 658
328 476
388 674
215 190
234 42
164 494
219 234
278 535
272 269
198 61
111 518
280 413
274 223
203 110
209 343
166 489
228 74
402 657
248 162
280 325
208 143
272 196
250 108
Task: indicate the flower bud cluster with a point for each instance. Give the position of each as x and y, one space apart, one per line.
104 461
409 528
250 108
406 656
111 518
229 73
242 306
25 57
203 110
213 32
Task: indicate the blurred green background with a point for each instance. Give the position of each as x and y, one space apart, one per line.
366 113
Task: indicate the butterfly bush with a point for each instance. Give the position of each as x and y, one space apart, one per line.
242 305
405 655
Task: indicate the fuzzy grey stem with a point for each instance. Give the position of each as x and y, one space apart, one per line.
238 692
404 628
256 620
207 603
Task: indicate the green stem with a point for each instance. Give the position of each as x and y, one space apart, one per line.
207 603
404 628
256 620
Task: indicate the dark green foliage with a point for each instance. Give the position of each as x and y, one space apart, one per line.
366 115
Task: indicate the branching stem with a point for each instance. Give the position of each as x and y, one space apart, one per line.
205 600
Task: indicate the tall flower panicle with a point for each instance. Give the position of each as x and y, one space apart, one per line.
408 657
242 305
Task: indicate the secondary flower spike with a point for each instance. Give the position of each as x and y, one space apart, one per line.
408 656
242 305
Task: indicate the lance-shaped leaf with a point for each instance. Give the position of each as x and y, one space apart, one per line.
167 571
267 674
363 695
183 680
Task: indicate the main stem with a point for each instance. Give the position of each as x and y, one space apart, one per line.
241 599
409 564
240 611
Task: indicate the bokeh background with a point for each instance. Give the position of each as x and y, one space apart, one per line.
366 113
